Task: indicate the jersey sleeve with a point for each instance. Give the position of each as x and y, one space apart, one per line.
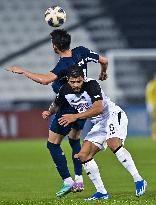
94 91
90 56
57 70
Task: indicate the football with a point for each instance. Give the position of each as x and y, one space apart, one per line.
55 16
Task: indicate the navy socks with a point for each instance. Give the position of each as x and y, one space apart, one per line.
59 159
76 147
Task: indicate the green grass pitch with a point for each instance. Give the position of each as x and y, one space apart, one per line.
28 175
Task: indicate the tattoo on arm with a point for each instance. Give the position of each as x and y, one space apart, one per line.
53 108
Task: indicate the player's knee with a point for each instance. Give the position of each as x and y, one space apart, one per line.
74 134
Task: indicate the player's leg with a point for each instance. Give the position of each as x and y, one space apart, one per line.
92 170
117 134
56 134
74 141
93 143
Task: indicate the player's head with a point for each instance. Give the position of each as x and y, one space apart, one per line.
75 78
61 40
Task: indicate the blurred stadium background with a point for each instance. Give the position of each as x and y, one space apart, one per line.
124 30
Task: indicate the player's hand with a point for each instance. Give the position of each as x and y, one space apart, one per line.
15 69
67 119
46 115
76 156
103 76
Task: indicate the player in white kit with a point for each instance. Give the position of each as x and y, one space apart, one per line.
110 128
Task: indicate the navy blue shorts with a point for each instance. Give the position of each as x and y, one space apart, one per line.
57 128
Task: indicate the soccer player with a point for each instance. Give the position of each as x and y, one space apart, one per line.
80 56
150 94
110 128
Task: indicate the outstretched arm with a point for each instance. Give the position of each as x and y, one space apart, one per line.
104 63
96 109
44 79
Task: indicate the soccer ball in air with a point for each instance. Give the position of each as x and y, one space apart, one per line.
55 16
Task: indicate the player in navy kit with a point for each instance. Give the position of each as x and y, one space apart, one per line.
78 56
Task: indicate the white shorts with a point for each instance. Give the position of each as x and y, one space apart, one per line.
115 125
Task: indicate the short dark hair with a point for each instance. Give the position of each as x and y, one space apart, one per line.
61 39
75 71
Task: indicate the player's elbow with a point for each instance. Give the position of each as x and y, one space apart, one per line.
44 82
103 60
98 107
48 78
41 81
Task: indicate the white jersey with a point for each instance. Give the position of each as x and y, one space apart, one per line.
111 123
83 101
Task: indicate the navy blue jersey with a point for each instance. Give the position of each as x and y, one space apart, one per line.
80 56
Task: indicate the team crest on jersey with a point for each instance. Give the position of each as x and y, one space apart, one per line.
82 107
80 104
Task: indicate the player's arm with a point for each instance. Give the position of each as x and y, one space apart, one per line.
44 79
104 64
96 109
53 108
94 91
94 57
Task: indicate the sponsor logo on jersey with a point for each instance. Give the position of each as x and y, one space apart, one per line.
96 96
